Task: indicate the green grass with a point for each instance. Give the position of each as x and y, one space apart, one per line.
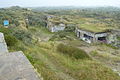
62 35
52 65
118 38
72 51
63 62
91 24
93 27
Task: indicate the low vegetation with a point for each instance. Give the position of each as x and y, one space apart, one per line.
72 51
57 56
11 40
55 66
118 38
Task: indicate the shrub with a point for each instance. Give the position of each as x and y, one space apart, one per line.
24 36
5 30
21 34
118 38
61 35
10 40
72 51
94 53
70 28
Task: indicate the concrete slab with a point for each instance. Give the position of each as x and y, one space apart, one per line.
15 66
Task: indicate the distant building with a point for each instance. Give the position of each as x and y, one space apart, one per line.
91 37
50 16
55 24
108 36
29 9
55 27
6 23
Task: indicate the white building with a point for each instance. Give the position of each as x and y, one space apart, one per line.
55 27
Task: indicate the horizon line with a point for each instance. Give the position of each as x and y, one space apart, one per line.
59 6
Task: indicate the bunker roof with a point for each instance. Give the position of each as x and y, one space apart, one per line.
93 28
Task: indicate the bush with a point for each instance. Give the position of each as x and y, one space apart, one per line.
118 38
24 36
5 30
10 40
21 34
70 28
61 35
72 51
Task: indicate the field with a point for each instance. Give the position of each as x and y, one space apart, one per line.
61 55
54 64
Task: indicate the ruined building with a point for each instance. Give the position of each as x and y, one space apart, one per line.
91 37
107 36
55 27
55 24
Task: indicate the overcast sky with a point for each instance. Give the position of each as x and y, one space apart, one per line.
39 3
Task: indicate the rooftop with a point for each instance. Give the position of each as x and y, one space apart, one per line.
93 27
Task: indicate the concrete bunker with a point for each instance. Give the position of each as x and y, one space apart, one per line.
55 24
55 27
91 37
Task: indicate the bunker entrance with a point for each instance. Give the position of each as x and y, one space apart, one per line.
87 36
102 39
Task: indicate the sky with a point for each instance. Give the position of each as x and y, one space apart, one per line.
43 3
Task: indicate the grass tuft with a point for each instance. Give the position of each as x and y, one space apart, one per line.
72 51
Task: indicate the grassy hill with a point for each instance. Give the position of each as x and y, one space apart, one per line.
59 56
56 64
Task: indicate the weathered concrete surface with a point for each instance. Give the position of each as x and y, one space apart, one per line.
3 46
15 66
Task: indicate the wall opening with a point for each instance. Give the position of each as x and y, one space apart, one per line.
79 34
102 39
87 36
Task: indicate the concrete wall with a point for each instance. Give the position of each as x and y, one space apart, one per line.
101 35
80 34
56 28
3 45
85 32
